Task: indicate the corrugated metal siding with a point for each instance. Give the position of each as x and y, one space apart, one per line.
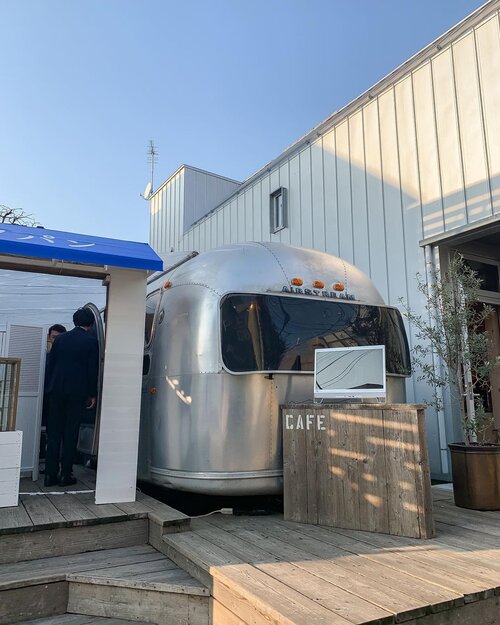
203 192
39 299
166 226
487 38
187 196
348 188
419 160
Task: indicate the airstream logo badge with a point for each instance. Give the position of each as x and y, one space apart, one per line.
318 292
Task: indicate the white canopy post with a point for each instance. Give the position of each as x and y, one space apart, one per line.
121 389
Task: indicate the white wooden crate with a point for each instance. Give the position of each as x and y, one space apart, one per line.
10 467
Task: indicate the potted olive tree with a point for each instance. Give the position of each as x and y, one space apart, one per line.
452 333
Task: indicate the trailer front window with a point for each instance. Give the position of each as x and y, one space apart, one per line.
278 333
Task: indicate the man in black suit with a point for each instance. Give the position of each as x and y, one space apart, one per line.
72 383
54 331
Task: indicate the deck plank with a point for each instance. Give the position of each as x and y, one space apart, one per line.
42 511
447 562
132 570
243 586
79 619
162 510
399 559
14 517
410 578
394 591
55 568
27 485
260 551
482 518
101 510
71 508
133 509
46 542
470 539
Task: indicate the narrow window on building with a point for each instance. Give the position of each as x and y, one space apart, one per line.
278 210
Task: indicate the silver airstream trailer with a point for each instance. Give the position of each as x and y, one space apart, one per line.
230 335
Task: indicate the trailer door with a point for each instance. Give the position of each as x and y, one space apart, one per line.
148 390
88 439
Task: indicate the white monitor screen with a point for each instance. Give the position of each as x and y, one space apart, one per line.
345 372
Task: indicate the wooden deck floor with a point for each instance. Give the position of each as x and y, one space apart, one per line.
43 507
266 570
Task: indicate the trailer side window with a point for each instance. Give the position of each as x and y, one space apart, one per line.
151 306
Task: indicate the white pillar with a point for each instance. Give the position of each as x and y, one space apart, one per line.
121 391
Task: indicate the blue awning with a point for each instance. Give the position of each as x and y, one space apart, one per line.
76 248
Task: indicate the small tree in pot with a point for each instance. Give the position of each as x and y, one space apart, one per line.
453 331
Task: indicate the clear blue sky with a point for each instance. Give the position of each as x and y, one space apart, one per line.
224 85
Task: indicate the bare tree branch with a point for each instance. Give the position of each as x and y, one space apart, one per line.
19 216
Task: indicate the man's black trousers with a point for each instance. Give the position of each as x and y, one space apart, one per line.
65 415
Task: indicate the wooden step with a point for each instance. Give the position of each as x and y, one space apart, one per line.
23 604
50 570
38 588
243 594
155 592
79 619
133 576
47 543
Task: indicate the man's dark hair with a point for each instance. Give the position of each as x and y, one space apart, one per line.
57 327
83 317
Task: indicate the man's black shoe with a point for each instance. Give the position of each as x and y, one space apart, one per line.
51 480
67 481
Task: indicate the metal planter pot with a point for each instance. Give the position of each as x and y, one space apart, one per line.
476 475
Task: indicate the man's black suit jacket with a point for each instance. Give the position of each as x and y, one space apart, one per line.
74 364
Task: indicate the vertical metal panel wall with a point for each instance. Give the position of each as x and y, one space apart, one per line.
203 191
166 214
187 196
418 159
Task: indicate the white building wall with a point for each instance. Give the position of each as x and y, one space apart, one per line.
203 192
42 299
166 224
415 157
187 196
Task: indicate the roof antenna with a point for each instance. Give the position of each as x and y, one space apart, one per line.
152 158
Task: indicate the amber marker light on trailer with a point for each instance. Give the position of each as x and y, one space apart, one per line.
318 284
338 286
167 284
297 281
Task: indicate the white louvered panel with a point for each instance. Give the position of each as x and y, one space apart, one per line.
24 343
28 342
